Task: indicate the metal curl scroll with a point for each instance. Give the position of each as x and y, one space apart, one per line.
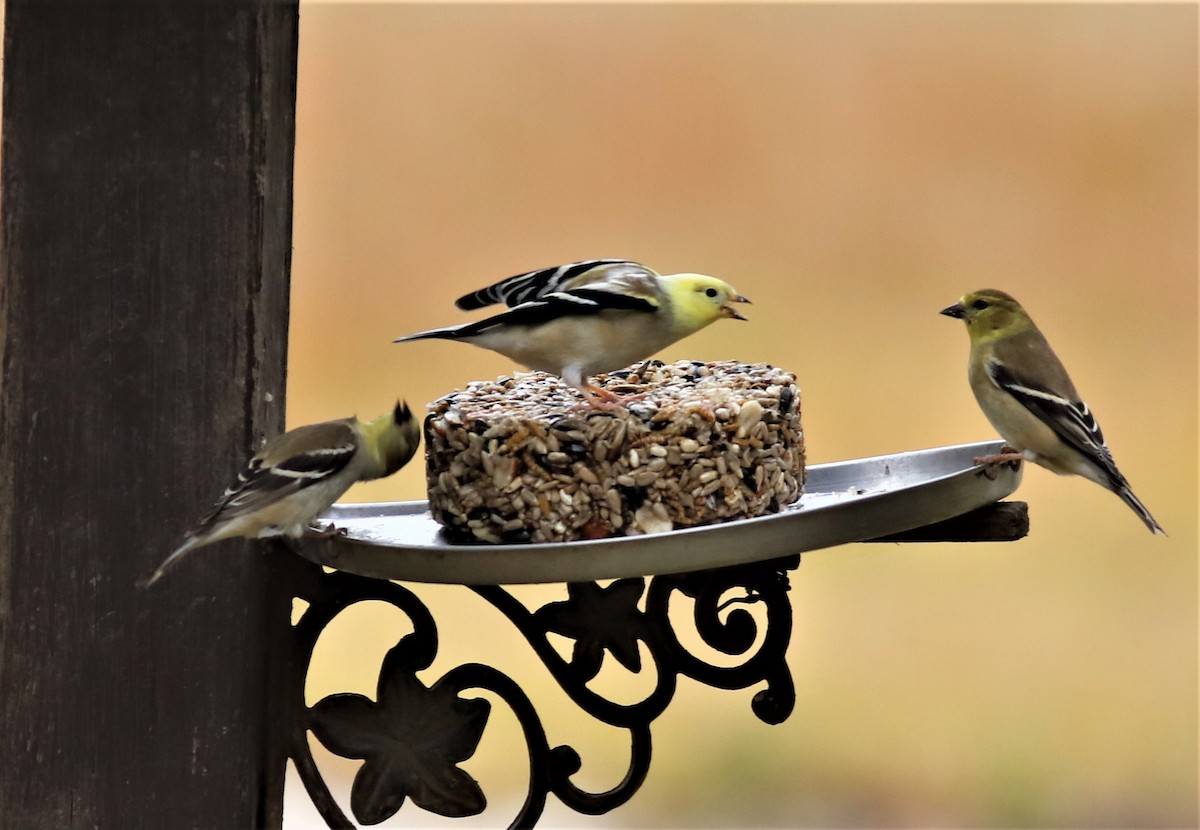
412 736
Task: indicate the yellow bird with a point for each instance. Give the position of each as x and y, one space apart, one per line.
1025 392
298 475
580 319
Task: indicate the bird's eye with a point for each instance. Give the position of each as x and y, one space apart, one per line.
979 305
710 292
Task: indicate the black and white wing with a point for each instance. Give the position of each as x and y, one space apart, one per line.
292 462
581 302
1072 421
535 285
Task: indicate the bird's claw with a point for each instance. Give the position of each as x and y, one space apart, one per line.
990 464
599 398
327 532
598 405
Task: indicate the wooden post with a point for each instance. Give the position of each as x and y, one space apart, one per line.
147 188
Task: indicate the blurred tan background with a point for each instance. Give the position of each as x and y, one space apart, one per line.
852 169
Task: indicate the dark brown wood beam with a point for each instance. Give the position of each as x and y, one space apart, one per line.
147 198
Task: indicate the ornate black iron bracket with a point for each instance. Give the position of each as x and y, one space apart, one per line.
412 737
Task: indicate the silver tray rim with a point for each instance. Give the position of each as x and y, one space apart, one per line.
847 501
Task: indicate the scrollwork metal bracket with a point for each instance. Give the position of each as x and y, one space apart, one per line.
412 736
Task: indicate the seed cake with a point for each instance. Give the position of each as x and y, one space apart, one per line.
520 459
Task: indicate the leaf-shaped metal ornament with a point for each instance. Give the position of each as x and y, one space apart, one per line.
599 618
411 741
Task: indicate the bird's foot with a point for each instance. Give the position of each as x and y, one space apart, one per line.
990 464
597 397
327 532
601 405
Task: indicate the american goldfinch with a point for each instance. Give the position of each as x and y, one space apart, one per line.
299 474
1025 392
584 318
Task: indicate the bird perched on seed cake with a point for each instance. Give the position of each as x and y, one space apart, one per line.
580 319
299 474
1025 392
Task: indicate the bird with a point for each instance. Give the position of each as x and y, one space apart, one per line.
583 318
1025 392
299 474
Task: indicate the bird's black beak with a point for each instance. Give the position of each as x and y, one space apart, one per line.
955 310
732 313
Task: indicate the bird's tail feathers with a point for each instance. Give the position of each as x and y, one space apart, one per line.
171 561
1130 499
448 333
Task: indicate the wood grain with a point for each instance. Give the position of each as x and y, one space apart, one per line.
147 184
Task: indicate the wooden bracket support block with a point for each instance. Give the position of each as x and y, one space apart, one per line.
1003 521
